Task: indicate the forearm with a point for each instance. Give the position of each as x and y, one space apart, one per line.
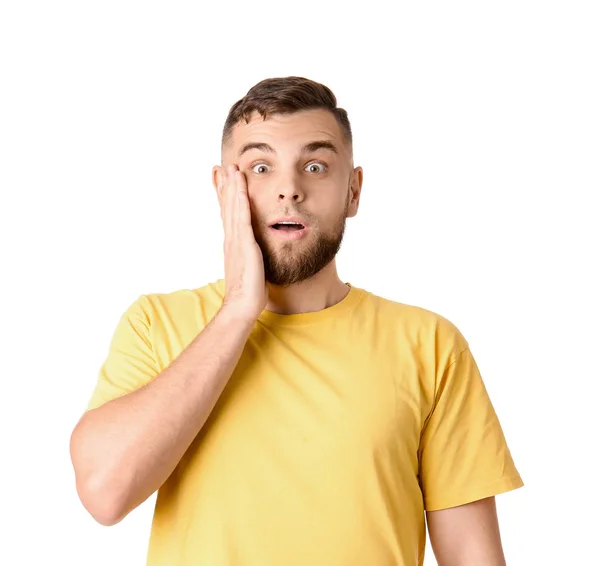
123 451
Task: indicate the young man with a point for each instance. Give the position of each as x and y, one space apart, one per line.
286 417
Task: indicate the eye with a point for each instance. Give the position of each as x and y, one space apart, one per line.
258 165
317 164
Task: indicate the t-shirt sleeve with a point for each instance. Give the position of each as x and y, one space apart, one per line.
463 452
130 363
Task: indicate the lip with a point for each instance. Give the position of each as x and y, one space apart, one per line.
294 219
295 235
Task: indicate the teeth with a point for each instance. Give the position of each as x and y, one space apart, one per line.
287 223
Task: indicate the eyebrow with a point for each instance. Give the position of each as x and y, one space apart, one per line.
307 148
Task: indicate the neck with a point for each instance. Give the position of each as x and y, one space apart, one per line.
323 290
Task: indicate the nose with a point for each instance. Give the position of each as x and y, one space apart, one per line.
289 188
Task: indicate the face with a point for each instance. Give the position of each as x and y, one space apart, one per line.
285 178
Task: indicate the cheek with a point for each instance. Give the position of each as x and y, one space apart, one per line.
256 215
253 201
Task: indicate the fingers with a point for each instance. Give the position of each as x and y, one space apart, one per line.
230 204
243 201
234 202
226 201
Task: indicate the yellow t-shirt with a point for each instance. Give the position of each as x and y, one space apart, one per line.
337 429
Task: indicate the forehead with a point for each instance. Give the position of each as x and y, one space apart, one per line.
288 132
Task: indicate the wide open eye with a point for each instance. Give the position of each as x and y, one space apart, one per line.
317 164
258 165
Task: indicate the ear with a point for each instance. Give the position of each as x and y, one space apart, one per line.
217 179
355 186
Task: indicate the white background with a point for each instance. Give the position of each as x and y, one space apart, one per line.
477 125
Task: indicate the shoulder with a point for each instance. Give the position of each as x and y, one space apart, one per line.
430 331
204 301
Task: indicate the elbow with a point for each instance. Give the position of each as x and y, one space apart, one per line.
100 505
92 490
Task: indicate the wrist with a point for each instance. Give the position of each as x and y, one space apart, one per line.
235 314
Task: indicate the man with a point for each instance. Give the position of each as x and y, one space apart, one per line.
286 417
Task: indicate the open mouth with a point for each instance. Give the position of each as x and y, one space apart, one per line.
287 226
289 230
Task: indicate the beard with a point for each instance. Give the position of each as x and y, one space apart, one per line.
288 264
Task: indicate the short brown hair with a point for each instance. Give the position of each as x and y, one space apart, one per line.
285 95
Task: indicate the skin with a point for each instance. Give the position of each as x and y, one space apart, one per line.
322 187
286 277
467 535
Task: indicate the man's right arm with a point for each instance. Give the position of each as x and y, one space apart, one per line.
124 450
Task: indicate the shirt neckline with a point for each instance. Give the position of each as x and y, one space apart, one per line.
270 318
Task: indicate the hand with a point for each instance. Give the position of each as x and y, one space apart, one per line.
246 292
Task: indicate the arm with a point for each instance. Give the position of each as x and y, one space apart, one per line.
124 450
467 535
